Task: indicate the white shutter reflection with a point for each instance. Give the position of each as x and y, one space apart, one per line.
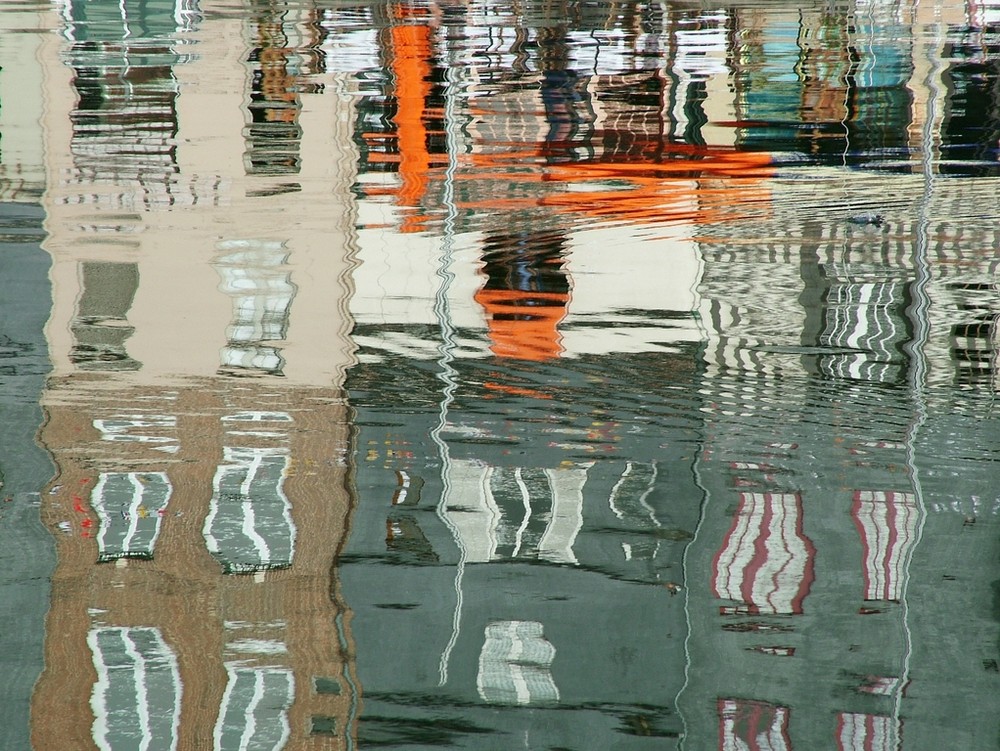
249 525
865 317
255 276
130 506
566 519
501 513
766 561
746 725
137 697
254 711
515 665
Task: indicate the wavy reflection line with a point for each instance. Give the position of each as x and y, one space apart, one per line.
702 507
918 313
447 374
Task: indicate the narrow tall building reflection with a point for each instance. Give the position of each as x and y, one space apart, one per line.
196 414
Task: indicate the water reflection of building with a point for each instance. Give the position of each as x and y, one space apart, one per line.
525 294
124 125
195 415
153 483
526 134
26 554
22 168
554 501
825 517
830 374
509 558
514 566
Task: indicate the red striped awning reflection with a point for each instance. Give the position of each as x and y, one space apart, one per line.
752 726
765 562
864 732
887 522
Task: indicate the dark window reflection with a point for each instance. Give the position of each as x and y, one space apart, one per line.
286 53
274 134
100 328
971 131
125 121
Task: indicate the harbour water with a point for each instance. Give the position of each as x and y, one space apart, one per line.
456 374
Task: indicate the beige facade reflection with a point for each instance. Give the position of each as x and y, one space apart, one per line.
22 170
195 411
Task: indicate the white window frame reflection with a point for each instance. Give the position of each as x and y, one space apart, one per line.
137 697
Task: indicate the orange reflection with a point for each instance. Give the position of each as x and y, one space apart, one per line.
698 190
411 70
523 327
525 295
704 187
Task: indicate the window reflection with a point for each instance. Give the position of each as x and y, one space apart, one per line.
526 294
101 326
125 121
766 562
137 696
254 274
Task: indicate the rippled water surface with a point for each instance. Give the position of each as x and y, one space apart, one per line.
460 374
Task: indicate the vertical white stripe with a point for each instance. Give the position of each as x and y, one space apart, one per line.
251 473
249 716
211 541
566 519
526 502
521 689
157 663
613 498
250 531
141 693
133 511
860 328
733 559
98 698
97 497
474 524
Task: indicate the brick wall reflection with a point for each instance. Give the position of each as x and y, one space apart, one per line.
266 650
